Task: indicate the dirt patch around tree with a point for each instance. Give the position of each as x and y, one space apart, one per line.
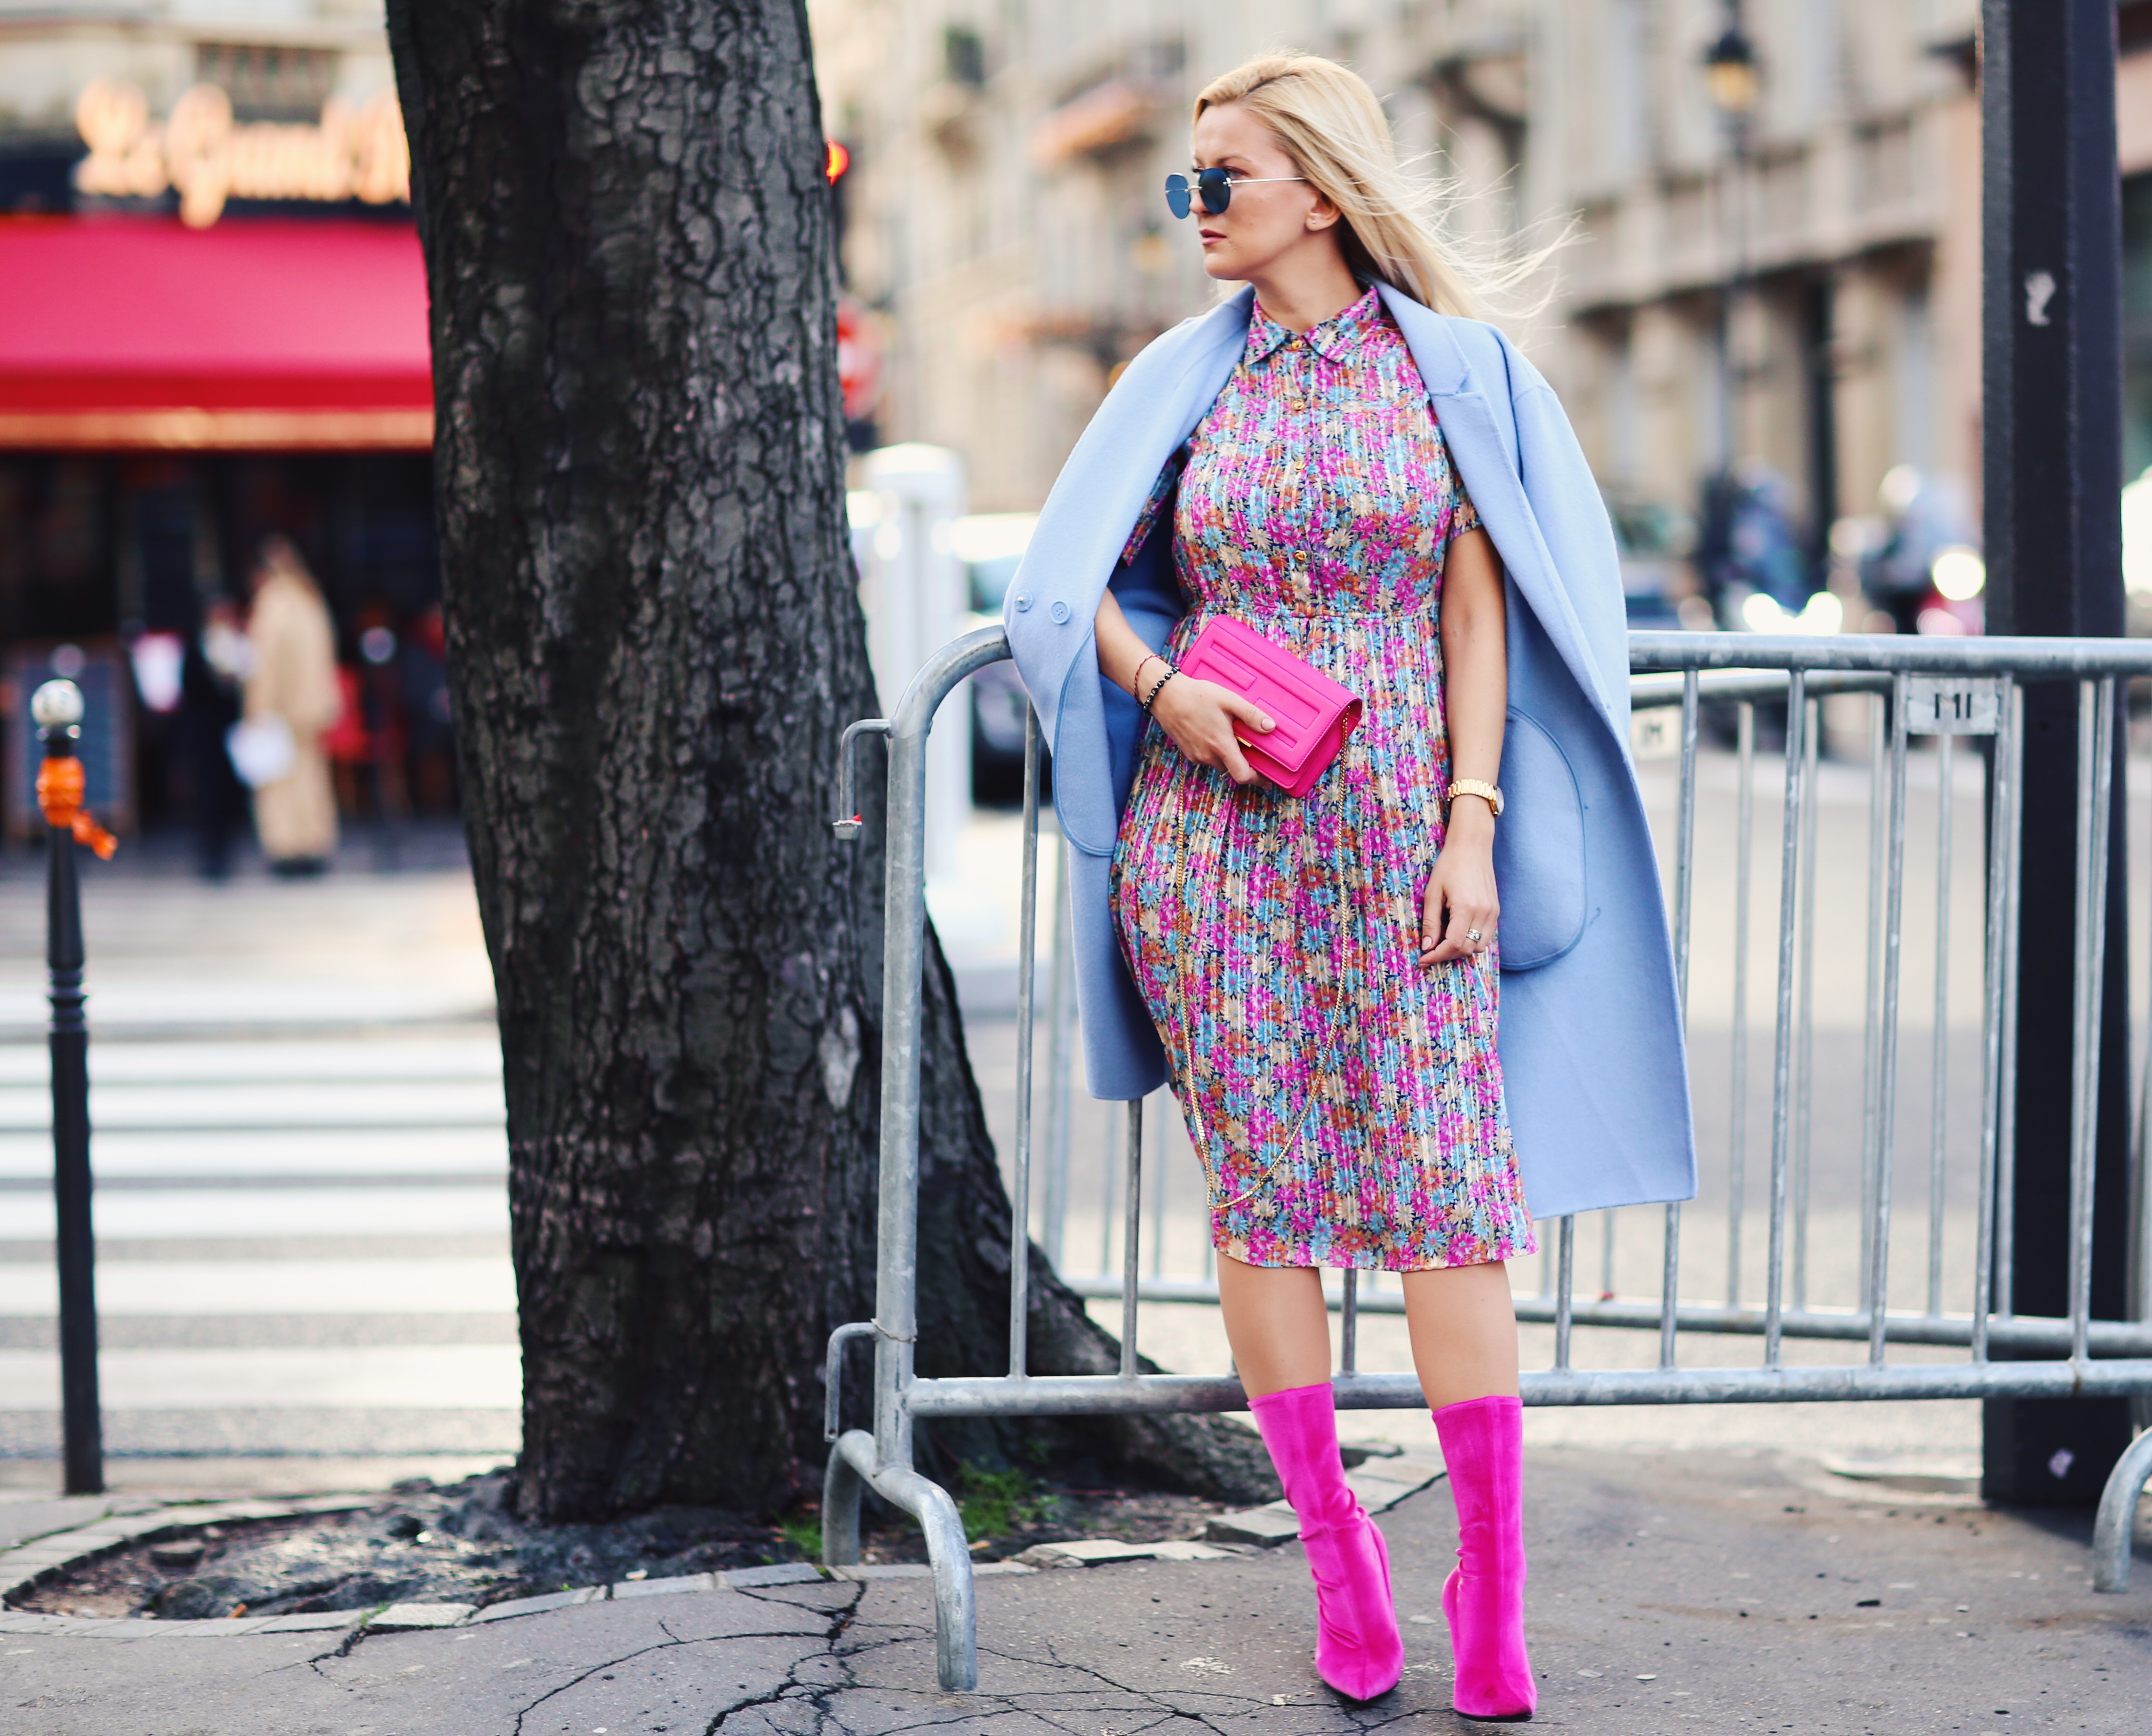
462 1543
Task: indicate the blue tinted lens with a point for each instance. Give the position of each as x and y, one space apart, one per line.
1176 195
1217 190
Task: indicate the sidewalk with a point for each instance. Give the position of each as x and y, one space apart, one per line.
1739 1592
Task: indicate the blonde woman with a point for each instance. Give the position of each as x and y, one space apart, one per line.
1337 457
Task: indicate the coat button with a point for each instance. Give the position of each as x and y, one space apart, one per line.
1059 614
1023 600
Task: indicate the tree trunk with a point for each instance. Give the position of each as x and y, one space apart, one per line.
654 641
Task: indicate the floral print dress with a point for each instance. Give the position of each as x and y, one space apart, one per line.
1346 1102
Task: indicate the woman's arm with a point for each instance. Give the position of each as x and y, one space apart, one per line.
1199 715
1460 893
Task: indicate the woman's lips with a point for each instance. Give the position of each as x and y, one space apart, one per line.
1208 236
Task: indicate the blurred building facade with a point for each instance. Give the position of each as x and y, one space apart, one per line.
212 327
1786 288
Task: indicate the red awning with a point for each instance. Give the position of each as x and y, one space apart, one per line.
132 333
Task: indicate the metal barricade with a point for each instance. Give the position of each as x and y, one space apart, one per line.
1947 689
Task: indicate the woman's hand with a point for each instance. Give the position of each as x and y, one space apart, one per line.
1207 723
1460 895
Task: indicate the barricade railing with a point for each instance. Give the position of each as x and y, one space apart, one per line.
1899 689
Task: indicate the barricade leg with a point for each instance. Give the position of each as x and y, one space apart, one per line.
956 1604
841 1485
2112 1531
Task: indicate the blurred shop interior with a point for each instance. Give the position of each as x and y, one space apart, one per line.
214 332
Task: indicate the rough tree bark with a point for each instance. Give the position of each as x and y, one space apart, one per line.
654 640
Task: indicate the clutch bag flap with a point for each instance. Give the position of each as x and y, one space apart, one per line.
1312 714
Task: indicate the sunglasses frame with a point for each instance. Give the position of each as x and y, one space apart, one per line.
1181 194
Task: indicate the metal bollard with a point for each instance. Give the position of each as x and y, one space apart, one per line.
57 707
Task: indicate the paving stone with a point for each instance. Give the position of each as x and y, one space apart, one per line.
1086 1552
899 1570
671 1587
405 1616
795 1574
988 1570
549 1600
1264 1526
1183 1549
319 1621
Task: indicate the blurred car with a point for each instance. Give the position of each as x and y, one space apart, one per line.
991 545
1653 541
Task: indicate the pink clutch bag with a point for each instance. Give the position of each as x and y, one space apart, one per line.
1312 713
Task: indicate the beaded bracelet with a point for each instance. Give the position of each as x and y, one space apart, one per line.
1156 686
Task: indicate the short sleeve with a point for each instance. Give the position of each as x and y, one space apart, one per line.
1161 491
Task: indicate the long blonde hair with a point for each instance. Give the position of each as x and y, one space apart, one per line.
1330 124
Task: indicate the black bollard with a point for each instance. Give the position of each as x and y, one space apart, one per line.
57 707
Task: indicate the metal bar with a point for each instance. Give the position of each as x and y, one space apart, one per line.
847 822
1605 1253
1564 1293
1026 973
2003 796
2114 1526
1061 1008
904 928
1886 1080
1132 1238
1879 811
1348 1322
1804 1061
1737 1148
1939 1048
1155 1131
2027 1333
1782 1052
2028 658
1165 1394
1684 909
2006 1142
2095 791
1761 687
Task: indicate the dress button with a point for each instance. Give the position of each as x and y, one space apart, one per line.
1022 601
1059 614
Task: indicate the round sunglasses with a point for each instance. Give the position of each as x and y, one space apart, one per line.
1215 188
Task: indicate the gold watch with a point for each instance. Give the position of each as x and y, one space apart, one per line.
1472 786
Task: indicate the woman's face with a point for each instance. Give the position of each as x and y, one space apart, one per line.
1267 221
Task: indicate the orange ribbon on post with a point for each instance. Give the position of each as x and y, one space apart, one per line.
60 798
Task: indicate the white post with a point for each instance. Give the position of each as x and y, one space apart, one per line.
912 587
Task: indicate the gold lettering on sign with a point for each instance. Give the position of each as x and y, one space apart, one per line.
206 157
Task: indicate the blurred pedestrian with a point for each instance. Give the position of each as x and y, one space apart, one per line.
211 675
293 681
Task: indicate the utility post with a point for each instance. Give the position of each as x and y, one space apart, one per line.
2052 360
57 708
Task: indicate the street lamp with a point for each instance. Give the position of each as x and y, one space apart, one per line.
1729 69
1731 78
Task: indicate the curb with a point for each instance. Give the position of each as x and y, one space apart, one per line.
1379 1485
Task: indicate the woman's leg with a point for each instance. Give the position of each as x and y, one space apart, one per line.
1278 1323
1279 1331
1465 1346
1463 1332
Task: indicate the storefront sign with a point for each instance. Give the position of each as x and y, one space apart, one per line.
201 152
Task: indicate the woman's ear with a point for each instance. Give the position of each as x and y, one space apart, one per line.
1324 215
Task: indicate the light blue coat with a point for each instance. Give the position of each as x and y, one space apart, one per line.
1595 1078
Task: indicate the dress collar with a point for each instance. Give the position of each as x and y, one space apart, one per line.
1334 339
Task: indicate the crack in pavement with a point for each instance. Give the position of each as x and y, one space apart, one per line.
840 1620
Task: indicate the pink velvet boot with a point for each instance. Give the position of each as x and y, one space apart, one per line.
1357 1648
1483 1598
